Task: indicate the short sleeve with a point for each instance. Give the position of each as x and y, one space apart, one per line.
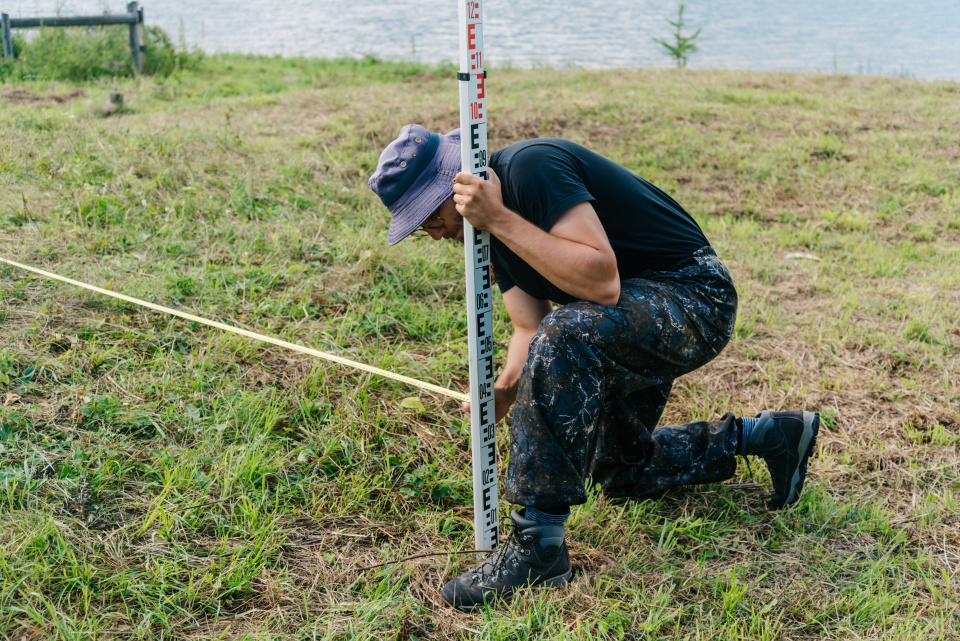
545 180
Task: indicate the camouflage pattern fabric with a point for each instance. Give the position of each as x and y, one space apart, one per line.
596 382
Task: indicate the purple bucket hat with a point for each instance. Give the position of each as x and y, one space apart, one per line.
414 176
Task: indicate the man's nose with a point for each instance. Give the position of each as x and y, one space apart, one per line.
436 233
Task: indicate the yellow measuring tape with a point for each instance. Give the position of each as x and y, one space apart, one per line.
243 332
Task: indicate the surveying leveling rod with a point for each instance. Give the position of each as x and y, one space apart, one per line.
476 244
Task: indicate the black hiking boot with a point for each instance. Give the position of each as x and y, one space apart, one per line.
533 555
785 441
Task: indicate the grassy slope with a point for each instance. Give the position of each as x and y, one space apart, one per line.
159 480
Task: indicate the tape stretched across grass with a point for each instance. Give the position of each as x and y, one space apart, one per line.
243 332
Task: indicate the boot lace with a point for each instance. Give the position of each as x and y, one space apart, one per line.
508 557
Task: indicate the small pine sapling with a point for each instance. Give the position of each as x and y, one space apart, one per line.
681 46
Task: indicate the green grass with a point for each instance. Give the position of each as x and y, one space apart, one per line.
162 480
83 54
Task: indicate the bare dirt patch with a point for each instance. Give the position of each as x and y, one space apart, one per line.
24 97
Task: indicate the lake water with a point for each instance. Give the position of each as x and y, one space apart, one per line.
919 39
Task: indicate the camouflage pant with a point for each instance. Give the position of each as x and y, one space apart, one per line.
596 382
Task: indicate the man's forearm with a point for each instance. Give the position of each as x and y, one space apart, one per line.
578 269
575 254
509 378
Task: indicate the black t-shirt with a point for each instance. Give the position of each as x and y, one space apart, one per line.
544 177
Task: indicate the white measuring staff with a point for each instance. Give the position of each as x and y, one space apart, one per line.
476 245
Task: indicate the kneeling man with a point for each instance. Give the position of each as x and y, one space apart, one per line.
643 299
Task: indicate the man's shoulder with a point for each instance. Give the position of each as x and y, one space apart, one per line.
542 145
529 159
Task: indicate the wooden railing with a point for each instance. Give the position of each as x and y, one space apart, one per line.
133 17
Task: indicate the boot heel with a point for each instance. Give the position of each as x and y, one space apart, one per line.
557 581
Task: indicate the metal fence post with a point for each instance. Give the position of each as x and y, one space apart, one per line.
7 42
136 51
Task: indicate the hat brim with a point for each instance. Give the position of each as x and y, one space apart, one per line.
428 191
